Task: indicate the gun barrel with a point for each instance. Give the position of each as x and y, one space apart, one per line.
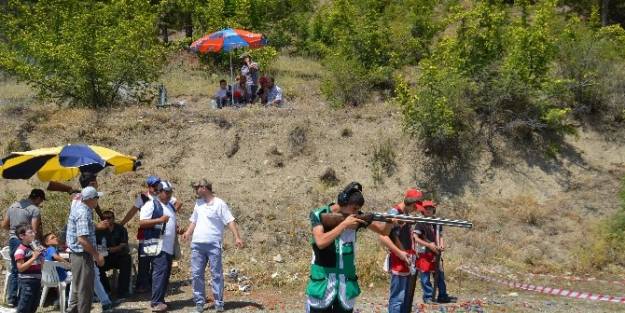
427 220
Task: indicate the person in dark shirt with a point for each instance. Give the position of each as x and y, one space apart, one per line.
115 240
431 245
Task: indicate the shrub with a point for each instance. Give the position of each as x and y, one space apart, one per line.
84 51
298 139
346 81
369 40
607 242
383 162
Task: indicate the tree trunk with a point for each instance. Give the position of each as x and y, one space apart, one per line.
605 4
164 33
188 24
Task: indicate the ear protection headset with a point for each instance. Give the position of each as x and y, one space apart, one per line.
349 190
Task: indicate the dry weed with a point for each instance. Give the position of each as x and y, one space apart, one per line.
298 138
383 162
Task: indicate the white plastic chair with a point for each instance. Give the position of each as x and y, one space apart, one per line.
50 279
6 256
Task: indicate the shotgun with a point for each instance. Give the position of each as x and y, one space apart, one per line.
437 261
331 220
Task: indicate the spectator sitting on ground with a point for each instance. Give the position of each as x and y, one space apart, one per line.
223 94
274 94
263 90
115 238
240 91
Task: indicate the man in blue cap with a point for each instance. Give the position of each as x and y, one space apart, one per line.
144 270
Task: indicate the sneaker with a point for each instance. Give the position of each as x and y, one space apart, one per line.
219 308
199 307
427 301
107 307
161 307
447 299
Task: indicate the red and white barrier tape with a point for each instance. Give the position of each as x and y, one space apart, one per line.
565 277
547 290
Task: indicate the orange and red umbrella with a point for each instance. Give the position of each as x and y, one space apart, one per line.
227 40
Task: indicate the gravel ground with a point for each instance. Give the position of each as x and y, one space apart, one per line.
474 295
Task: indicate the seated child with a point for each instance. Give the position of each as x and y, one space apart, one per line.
51 242
240 90
223 94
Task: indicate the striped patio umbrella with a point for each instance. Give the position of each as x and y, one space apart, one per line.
65 162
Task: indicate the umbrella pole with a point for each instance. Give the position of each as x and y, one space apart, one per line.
231 82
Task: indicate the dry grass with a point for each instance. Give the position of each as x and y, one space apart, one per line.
13 91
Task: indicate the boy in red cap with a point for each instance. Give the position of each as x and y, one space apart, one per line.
431 244
401 246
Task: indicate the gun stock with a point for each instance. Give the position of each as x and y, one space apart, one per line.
57 186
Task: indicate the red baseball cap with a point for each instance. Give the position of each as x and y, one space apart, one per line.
413 193
428 203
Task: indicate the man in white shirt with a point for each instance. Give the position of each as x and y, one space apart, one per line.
209 218
155 215
144 270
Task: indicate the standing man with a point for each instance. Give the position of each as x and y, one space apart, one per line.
158 220
144 270
25 211
432 245
81 241
209 218
115 239
401 246
333 284
250 71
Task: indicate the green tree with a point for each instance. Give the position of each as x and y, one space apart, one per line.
84 51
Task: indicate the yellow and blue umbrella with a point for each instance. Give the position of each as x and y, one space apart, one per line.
65 162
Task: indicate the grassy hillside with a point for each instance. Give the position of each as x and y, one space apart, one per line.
531 211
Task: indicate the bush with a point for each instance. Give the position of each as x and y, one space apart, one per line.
346 81
436 114
383 161
368 40
496 72
84 51
607 243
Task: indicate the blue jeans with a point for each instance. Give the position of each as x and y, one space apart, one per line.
13 283
201 254
30 292
161 270
100 292
428 290
398 295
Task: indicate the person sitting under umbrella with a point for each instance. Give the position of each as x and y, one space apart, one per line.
223 94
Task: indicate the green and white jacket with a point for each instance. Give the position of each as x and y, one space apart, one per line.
333 269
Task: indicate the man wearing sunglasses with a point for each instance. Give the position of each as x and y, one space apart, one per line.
144 268
158 219
209 218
